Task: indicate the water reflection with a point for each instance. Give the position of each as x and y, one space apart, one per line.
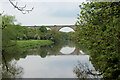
82 52
85 70
51 66
12 70
47 62
67 50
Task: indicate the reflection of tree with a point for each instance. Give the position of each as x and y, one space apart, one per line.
53 49
82 70
43 52
10 69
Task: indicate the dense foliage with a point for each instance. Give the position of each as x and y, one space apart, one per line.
17 40
99 32
18 32
9 33
11 43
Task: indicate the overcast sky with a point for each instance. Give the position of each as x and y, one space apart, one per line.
46 12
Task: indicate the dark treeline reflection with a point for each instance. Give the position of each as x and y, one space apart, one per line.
9 67
12 70
12 54
54 49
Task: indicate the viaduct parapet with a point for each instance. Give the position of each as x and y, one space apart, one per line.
55 27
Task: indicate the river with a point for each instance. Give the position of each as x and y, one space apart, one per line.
63 60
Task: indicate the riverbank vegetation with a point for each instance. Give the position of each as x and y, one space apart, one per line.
33 43
30 36
98 32
17 40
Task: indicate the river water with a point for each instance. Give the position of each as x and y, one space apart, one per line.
64 60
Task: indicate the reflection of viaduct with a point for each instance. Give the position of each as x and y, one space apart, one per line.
75 52
55 27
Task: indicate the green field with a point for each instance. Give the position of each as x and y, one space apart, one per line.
33 43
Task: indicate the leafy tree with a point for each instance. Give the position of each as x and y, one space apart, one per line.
6 20
99 32
42 29
22 32
42 32
53 35
9 47
30 33
8 32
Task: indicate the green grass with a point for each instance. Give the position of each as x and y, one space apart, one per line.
33 43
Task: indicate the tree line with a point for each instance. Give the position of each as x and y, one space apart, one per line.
98 33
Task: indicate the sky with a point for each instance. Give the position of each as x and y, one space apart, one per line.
45 12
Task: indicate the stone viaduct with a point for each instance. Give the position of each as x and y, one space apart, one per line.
55 27
75 52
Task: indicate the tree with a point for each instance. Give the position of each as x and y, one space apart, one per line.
6 20
55 36
99 33
42 32
9 47
42 29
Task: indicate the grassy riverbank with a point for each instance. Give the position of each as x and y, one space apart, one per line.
33 43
